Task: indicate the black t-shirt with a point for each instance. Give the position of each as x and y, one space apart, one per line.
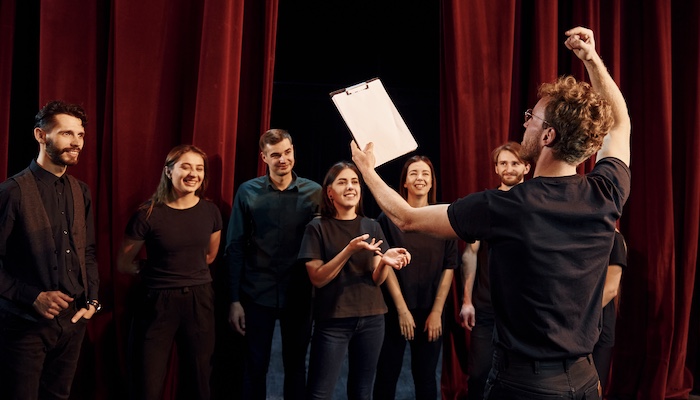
481 294
176 243
352 293
550 240
618 256
420 280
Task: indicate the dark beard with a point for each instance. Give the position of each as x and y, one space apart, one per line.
55 153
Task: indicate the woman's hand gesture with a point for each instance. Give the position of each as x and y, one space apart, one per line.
360 243
396 257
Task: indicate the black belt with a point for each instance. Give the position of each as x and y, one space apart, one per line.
511 359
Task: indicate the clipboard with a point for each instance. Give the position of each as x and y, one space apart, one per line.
371 116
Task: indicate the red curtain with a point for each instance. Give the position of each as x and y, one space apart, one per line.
494 56
153 74
150 74
7 13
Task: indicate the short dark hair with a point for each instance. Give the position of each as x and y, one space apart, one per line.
45 119
273 136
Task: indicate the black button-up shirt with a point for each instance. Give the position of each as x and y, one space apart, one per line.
57 198
264 235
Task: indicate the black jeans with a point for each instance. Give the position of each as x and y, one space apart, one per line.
184 316
38 359
515 377
480 358
358 337
424 358
295 330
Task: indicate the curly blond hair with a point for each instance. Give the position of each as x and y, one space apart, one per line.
580 116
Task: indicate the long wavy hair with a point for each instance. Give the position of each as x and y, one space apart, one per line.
327 208
403 191
165 192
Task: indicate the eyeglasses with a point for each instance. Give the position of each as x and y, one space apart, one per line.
529 115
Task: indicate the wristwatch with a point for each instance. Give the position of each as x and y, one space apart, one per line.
95 304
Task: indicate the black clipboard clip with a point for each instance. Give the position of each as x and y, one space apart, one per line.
354 88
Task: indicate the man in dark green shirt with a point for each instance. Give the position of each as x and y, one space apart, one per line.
267 283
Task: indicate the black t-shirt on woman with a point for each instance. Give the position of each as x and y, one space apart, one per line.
352 293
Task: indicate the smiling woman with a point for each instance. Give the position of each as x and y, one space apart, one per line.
347 260
415 296
186 175
181 232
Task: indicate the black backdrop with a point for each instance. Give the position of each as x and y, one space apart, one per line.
354 42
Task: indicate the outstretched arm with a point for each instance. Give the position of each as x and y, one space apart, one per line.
430 219
617 143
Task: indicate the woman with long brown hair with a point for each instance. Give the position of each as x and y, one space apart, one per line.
415 296
181 232
346 261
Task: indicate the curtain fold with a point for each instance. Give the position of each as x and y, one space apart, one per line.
686 145
150 75
7 37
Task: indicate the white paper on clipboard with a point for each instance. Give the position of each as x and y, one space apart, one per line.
371 116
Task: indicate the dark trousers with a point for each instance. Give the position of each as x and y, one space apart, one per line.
38 359
515 377
361 338
480 358
424 358
184 316
295 330
602 357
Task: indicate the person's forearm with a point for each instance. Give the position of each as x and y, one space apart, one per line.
616 142
469 260
612 283
392 284
603 83
380 273
468 290
431 220
393 205
326 272
443 291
